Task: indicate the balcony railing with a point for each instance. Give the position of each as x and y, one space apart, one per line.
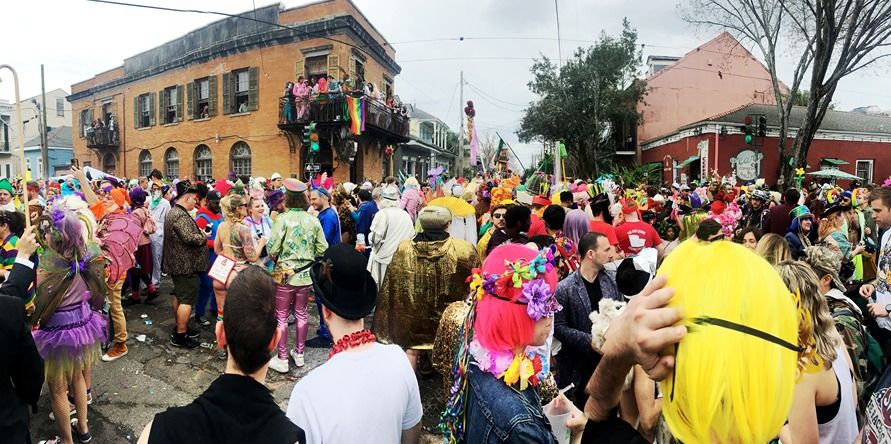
332 109
102 137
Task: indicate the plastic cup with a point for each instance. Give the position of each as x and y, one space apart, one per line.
558 417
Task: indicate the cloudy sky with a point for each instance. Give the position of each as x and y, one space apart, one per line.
76 39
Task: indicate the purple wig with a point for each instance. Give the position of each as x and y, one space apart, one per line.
137 197
66 236
576 225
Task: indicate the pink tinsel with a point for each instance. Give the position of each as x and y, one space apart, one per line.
728 219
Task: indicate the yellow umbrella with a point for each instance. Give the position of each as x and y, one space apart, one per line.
458 207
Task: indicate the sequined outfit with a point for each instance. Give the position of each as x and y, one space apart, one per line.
422 279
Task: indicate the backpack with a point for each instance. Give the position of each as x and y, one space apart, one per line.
864 350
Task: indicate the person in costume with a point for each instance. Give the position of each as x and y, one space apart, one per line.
825 401
11 226
159 207
499 365
208 219
261 226
236 241
497 223
426 274
297 239
71 289
143 273
341 200
411 198
833 231
366 392
363 217
390 226
6 194
798 235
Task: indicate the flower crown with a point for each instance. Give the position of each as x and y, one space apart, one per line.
522 283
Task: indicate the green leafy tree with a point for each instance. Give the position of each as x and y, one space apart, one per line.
584 103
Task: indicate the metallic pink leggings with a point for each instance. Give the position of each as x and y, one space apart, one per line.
285 295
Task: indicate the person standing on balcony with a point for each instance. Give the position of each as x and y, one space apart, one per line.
301 94
288 105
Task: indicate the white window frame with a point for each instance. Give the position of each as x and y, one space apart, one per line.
242 81
871 170
171 163
60 107
145 163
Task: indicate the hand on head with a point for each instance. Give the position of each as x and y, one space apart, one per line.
645 330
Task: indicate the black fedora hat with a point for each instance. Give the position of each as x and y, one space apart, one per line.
343 284
835 208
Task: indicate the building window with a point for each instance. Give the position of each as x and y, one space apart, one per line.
108 164
359 78
145 163
240 159
145 110
864 170
203 163
171 163
86 122
240 90
316 67
202 90
60 106
388 87
169 100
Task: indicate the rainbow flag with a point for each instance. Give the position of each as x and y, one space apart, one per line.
356 112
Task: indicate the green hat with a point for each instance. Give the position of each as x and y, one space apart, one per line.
800 211
5 185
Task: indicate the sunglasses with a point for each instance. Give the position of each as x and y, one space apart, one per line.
497 215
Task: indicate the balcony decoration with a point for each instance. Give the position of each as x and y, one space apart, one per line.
470 112
388 150
356 112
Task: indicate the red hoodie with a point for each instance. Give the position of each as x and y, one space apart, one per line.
205 217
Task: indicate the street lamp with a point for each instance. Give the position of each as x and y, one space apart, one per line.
21 128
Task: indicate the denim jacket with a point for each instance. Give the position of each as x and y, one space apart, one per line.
497 413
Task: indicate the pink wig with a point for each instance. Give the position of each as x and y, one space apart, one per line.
503 325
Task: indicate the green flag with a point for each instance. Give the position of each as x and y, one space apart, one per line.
562 149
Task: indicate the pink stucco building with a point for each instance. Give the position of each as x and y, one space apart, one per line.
718 76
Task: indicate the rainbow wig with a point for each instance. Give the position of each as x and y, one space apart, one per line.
736 369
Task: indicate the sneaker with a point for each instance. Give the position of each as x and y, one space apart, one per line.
279 365
298 358
72 411
202 321
119 349
82 437
319 342
191 333
181 340
55 440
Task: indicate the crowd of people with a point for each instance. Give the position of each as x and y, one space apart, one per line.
584 311
325 89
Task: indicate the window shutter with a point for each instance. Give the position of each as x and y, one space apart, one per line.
334 66
253 88
353 73
227 93
299 69
179 103
80 124
151 99
190 103
162 107
136 112
212 93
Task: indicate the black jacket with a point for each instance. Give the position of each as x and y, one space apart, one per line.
21 367
234 409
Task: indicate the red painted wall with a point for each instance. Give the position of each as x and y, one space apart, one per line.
728 146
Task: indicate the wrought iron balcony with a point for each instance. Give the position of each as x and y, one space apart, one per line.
326 110
102 138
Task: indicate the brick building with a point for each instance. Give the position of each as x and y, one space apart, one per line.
210 102
853 142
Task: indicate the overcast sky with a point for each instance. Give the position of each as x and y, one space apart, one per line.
76 39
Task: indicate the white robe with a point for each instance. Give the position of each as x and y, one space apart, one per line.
389 228
159 214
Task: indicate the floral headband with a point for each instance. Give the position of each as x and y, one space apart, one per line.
522 283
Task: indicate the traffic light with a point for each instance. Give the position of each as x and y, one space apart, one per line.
306 133
313 138
762 126
747 130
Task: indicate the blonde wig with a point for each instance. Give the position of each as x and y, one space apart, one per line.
773 248
735 370
801 279
229 206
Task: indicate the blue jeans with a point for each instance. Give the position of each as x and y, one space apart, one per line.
323 329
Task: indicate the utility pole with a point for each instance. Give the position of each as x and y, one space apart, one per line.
459 165
557 161
44 147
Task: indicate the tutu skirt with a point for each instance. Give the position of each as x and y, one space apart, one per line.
70 341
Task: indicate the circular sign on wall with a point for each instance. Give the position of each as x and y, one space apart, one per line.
747 164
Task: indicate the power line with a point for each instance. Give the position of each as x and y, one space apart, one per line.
478 89
483 95
238 16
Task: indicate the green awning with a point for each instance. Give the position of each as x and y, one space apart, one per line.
689 160
833 161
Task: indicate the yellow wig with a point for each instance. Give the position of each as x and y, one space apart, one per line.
736 369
